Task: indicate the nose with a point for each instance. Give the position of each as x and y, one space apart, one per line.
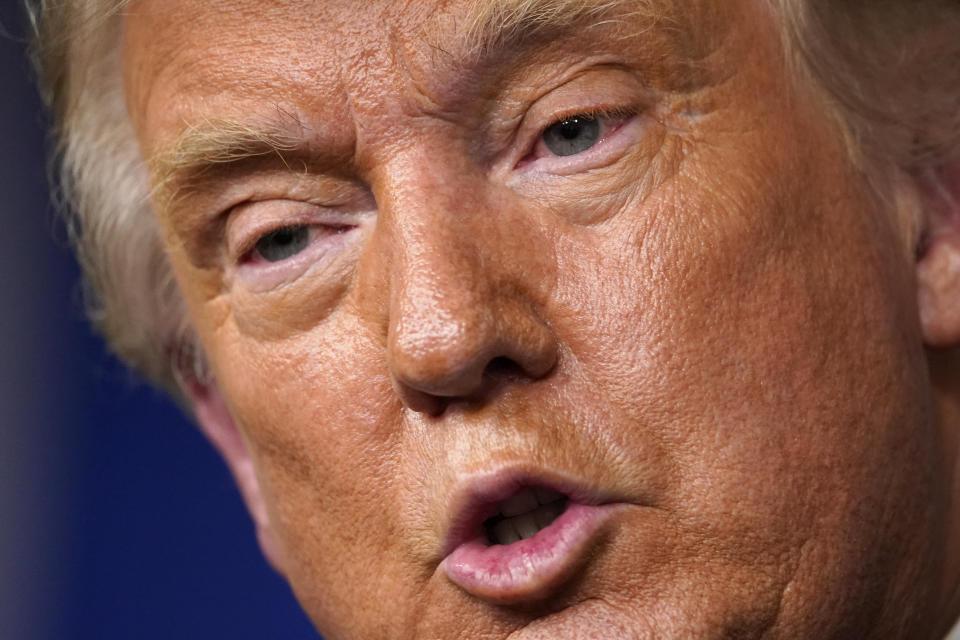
467 290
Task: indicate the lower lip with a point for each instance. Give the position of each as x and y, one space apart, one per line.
527 570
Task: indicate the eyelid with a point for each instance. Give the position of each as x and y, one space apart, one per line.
250 221
253 257
613 139
327 251
620 113
608 112
605 90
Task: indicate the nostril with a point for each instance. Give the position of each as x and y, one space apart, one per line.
468 356
503 368
431 394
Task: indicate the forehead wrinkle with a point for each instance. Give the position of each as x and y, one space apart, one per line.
492 34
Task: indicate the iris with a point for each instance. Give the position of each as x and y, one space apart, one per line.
571 136
283 243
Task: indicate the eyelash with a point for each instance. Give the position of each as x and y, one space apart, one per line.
305 224
619 114
595 112
321 248
251 254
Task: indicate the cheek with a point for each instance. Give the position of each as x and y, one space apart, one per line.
757 337
760 292
314 413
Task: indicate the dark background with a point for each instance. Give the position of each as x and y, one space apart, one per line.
117 520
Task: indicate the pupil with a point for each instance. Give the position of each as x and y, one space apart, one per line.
283 237
572 136
283 243
571 128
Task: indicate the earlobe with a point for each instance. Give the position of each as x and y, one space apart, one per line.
217 423
938 264
938 279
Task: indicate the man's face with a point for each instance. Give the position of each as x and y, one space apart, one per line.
613 263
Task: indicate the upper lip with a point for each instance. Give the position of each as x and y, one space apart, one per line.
478 497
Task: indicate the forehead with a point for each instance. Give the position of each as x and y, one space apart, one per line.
357 35
238 47
185 60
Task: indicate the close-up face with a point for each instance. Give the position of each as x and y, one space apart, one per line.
538 324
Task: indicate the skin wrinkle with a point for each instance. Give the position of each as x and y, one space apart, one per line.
731 196
84 99
775 621
231 142
662 349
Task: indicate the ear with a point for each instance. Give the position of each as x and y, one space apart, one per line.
938 265
217 423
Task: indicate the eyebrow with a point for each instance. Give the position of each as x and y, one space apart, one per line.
503 24
221 142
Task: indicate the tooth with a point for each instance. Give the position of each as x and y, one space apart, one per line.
526 526
545 516
546 496
505 533
518 503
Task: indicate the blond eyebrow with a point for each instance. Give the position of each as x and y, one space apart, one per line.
496 24
222 142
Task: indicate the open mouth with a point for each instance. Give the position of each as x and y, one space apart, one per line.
523 515
514 540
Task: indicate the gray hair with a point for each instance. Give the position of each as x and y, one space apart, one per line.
887 70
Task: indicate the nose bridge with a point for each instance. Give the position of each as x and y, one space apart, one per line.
442 289
455 302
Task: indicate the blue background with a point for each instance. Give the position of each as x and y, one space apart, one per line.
117 520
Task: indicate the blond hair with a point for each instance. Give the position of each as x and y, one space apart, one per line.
889 69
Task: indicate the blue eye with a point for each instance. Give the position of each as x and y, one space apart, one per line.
283 243
572 135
